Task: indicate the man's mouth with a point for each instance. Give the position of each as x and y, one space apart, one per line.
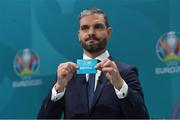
91 41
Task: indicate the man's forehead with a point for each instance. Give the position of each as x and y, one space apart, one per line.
95 18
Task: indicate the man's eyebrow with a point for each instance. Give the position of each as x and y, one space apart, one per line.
85 25
98 23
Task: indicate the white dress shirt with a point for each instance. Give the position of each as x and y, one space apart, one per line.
120 93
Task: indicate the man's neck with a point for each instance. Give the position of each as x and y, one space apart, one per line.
94 55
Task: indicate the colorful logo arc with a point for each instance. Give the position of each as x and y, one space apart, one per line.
168 47
26 63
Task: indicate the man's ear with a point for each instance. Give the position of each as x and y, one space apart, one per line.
109 31
78 35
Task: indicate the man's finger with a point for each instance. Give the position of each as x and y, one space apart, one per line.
99 65
72 65
108 69
108 63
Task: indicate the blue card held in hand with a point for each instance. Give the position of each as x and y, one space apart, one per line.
86 66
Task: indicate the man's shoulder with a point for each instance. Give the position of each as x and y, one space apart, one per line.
122 66
125 68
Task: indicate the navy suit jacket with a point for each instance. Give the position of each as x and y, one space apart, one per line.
106 104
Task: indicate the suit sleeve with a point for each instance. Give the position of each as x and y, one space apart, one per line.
133 104
50 109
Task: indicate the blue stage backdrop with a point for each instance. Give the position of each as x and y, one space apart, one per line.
37 35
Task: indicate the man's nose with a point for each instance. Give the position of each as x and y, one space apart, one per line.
91 31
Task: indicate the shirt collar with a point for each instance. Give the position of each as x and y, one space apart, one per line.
101 57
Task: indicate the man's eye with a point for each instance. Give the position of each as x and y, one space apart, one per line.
99 26
84 28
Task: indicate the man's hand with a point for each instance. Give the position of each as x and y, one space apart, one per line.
111 71
64 75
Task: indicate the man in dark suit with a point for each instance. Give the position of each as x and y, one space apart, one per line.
116 91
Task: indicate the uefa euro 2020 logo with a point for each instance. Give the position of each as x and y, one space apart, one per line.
26 63
168 47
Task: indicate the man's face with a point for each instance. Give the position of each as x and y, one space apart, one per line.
93 33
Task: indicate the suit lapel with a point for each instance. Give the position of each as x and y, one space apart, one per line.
81 82
81 85
101 83
81 91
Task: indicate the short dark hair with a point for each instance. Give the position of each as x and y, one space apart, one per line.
91 11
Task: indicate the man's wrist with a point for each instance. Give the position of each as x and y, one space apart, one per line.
58 88
57 94
122 93
118 85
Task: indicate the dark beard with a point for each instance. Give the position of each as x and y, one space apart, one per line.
94 47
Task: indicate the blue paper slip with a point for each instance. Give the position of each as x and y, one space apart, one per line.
86 66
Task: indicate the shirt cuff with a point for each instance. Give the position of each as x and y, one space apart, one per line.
122 93
55 96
